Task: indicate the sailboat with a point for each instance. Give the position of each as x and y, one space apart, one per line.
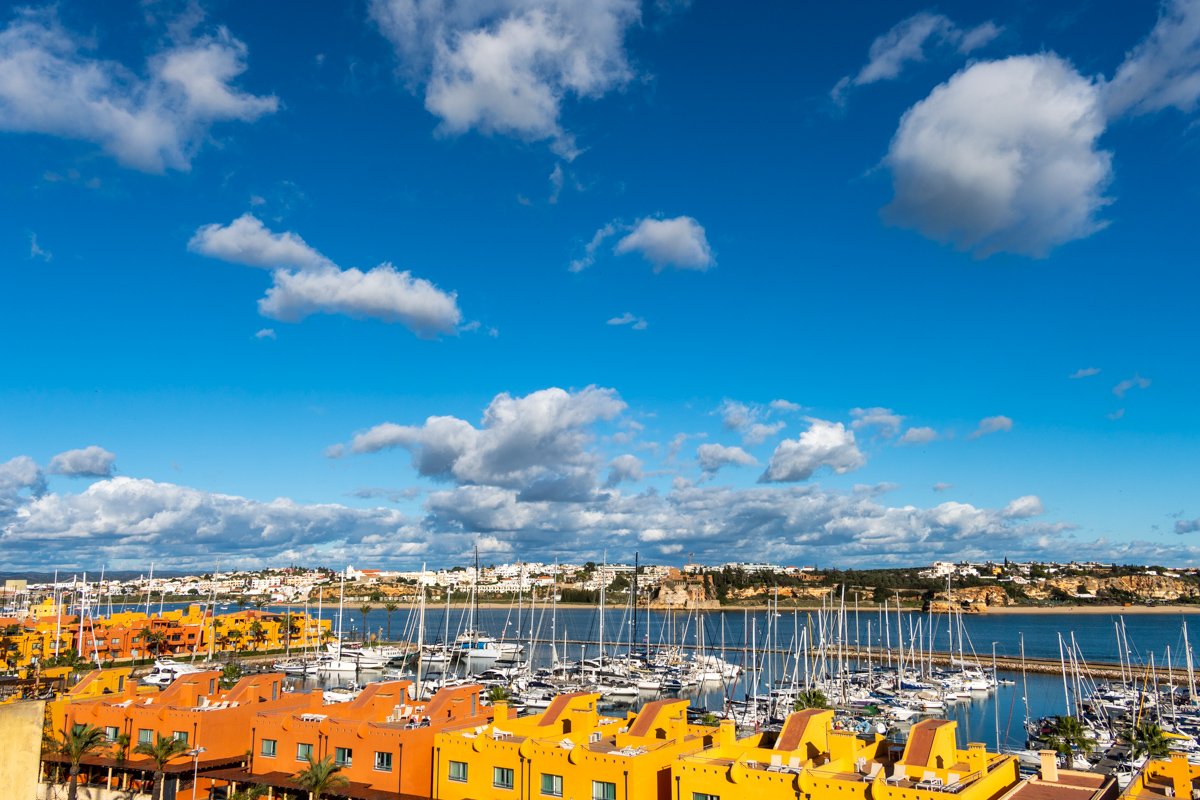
336 663
475 648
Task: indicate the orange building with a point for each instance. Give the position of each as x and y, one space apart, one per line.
213 722
382 740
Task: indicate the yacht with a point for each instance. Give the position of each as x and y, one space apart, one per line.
166 670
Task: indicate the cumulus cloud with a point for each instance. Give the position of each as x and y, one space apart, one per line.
786 406
905 44
1084 372
1023 507
711 457
624 468
637 323
747 419
51 83
507 67
1003 157
943 487
265 333
88 462
1187 526
884 420
919 435
996 424
679 242
536 443
305 282
825 444
19 477
131 521
247 241
1136 382
1163 70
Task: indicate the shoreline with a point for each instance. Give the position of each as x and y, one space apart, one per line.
1106 610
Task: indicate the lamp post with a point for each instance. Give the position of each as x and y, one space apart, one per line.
195 754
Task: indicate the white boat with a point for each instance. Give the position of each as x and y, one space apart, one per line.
166 671
295 666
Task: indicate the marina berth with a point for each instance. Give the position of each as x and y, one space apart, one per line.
568 750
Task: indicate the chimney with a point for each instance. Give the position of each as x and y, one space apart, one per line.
1049 770
1181 775
728 733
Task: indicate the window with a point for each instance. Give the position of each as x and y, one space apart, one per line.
703 796
383 761
343 756
180 736
303 751
116 642
111 732
551 785
268 747
145 736
458 771
502 778
603 790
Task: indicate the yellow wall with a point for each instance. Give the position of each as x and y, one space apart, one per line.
20 746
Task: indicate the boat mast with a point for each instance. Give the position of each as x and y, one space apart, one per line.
421 630
633 637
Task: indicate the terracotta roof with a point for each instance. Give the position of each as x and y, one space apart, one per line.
648 715
920 740
793 730
557 707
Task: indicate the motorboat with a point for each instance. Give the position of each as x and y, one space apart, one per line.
166 671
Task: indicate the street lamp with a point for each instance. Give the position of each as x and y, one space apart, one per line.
195 754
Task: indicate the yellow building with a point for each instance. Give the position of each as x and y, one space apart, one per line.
1175 777
568 751
808 758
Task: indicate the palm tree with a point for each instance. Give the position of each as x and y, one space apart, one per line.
390 606
153 640
291 628
320 777
1148 738
122 745
365 608
1071 735
249 793
258 633
235 636
79 741
498 694
810 698
162 750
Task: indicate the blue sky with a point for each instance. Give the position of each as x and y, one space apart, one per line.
245 260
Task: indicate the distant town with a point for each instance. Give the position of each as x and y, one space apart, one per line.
972 586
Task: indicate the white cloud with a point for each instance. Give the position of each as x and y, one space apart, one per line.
537 443
305 282
905 44
247 241
20 477
1136 382
637 323
711 457
624 468
265 333
888 422
679 242
759 432
90 462
35 251
1003 157
589 254
1163 70
383 293
1084 372
1116 415
919 435
51 84
824 445
1023 507
943 487
784 406
996 424
127 521
508 66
